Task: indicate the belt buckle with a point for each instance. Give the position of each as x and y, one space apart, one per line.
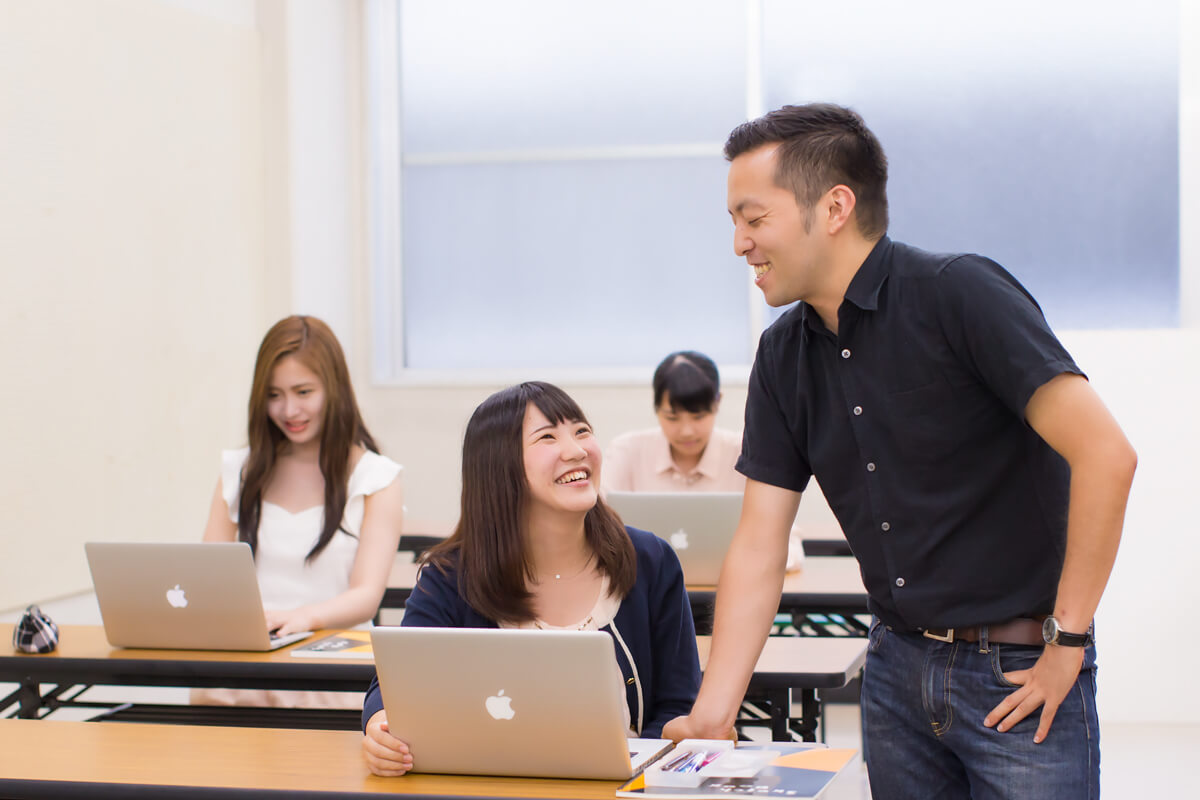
948 638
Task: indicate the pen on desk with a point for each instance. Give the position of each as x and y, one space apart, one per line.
691 764
709 758
670 766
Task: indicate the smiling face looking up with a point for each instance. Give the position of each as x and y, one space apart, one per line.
562 463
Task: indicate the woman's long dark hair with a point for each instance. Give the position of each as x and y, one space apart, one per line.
488 545
312 342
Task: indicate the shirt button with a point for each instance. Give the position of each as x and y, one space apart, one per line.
857 411
900 582
887 526
870 466
845 354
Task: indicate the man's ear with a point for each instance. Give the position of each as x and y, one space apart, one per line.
837 208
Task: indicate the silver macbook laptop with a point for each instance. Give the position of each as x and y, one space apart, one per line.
194 596
543 704
698 525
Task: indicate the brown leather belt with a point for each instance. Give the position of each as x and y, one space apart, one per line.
1016 631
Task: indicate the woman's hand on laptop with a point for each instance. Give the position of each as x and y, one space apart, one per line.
386 755
292 620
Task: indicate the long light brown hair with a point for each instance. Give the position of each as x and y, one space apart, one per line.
488 546
311 342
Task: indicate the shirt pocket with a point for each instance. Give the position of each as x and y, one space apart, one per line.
923 422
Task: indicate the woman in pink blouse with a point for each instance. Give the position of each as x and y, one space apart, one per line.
686 452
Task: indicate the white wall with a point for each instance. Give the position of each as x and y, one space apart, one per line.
131 237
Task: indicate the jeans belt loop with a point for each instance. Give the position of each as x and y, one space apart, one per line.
948 637
983 639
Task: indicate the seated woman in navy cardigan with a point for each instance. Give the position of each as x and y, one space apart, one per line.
536 547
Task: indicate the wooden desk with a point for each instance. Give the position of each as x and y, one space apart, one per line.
822 585
793 668
84 759
84 657
827 585
787 666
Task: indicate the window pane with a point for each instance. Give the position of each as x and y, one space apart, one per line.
1044 135
570 264
528 74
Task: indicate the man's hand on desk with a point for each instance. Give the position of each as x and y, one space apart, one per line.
688 727
386 755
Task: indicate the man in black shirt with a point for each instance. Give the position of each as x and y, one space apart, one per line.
979 480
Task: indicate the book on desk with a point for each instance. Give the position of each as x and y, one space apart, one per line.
343 644
786 769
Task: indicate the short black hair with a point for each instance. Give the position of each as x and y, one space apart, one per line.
820 146
691 381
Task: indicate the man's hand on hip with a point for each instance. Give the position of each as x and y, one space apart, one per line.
1044 685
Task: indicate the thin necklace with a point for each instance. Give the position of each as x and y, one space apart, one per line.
558 575
542 626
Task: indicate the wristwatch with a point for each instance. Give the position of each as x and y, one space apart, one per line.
1053 633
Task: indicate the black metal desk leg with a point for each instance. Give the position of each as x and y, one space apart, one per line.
779 702
810 714
29 699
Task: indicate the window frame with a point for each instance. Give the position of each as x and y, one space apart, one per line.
385 161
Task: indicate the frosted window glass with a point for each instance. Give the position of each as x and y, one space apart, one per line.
1044 135
527 74
570 264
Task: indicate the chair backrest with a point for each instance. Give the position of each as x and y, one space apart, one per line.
418 543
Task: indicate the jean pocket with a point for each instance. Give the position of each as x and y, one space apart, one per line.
875 635
1010 658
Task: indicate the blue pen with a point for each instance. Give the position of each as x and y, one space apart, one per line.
675 762
693 763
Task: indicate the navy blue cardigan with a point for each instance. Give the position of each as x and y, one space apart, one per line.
654 622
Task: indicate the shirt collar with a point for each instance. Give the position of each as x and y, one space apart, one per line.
863 290
662 455
864 287
664 464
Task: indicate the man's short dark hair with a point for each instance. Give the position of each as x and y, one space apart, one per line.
822 145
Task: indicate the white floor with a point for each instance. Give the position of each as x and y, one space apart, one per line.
1144 760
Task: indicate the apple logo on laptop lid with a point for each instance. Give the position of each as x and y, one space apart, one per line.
177 597
499 706
679 539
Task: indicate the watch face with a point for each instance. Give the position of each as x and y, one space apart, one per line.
1050 630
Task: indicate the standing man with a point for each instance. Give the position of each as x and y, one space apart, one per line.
979 479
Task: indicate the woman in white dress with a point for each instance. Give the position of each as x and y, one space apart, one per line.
319 506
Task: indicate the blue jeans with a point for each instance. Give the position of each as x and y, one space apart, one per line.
923 705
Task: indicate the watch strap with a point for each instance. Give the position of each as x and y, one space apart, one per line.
1073 639
1054 634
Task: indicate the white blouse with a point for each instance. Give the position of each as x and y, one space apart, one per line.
285 538
285 580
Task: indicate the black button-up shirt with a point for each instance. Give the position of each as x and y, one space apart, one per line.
911 418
